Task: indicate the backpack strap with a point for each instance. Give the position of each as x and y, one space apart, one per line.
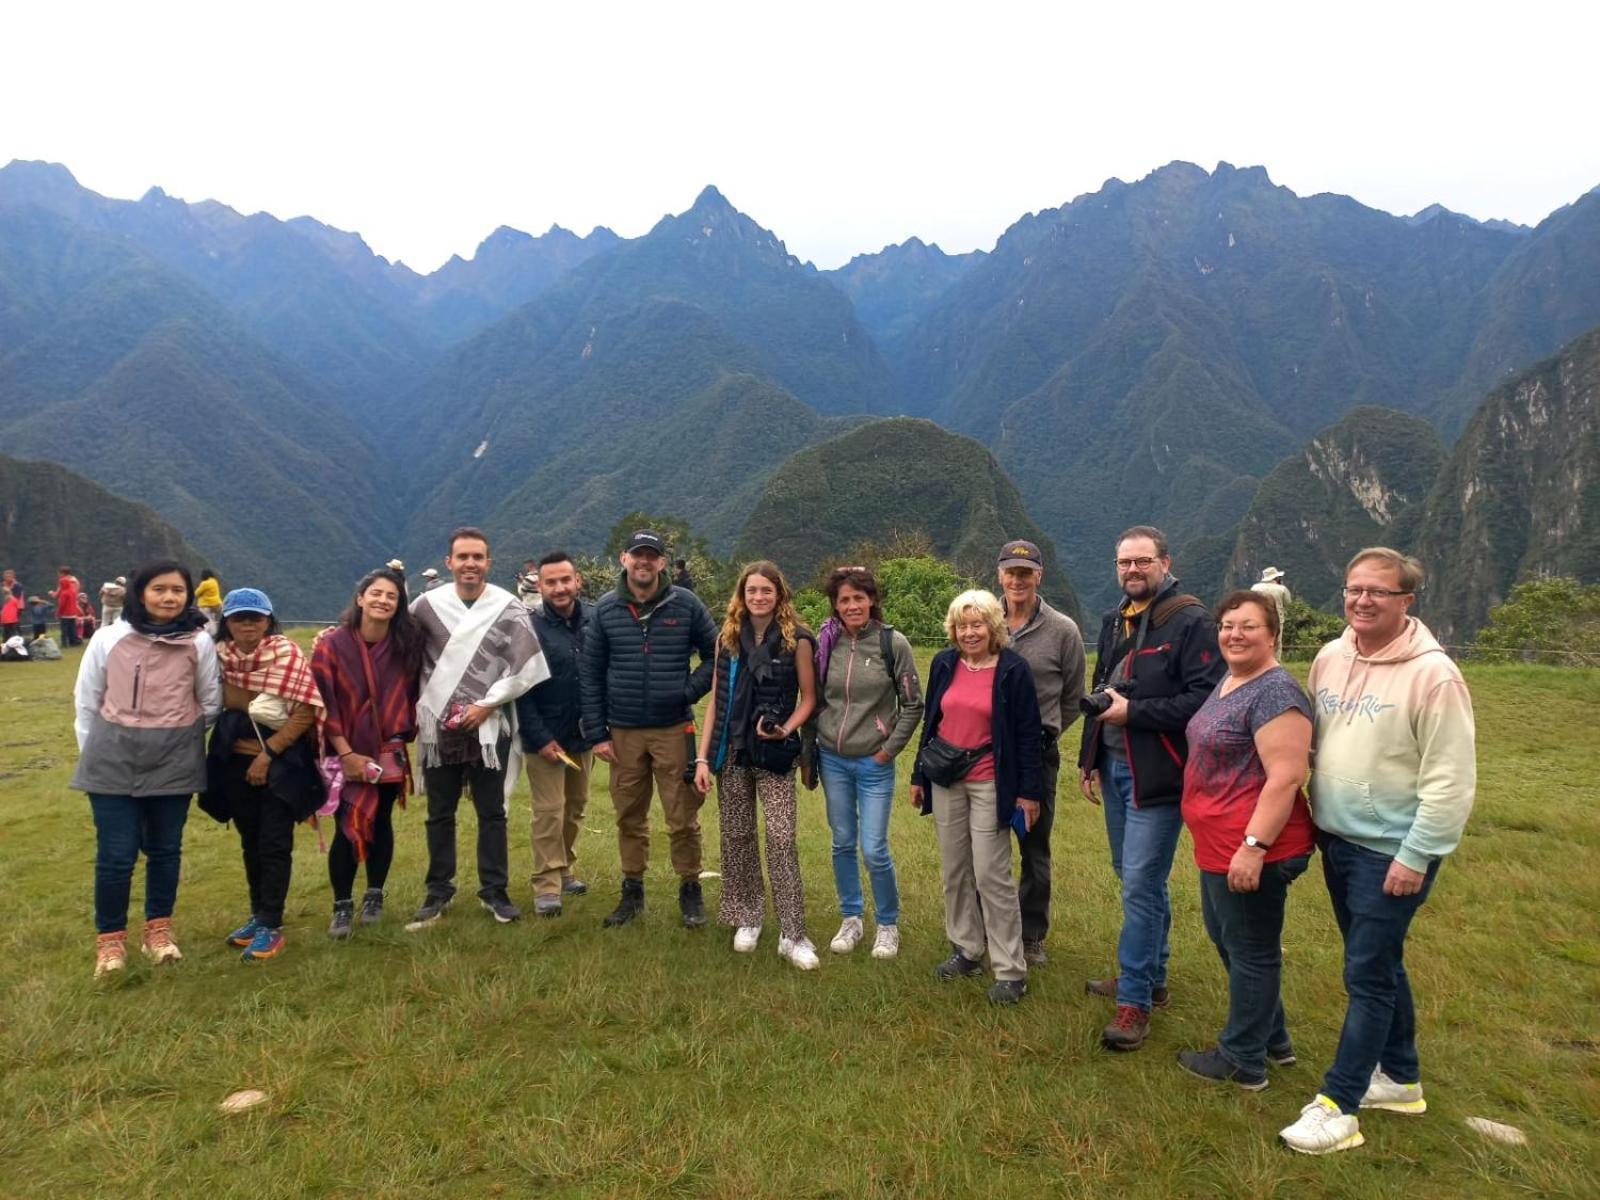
1171 605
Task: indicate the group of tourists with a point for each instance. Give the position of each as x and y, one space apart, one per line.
1191 721
68 602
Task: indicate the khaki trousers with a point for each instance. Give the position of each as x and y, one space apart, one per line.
560 795
662 753
975 860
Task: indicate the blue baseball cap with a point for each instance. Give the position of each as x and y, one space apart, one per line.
246 600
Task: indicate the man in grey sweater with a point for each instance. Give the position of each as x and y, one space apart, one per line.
1053 647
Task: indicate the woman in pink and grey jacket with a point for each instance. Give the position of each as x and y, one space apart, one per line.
148 688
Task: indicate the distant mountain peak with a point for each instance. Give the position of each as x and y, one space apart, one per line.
711 201
37 170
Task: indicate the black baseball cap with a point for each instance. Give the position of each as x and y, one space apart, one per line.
647 539
1020 554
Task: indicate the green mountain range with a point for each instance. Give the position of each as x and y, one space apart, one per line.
1150 352
50 518
889 480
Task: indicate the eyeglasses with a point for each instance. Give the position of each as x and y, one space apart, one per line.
1127 564
1226 627
1355 593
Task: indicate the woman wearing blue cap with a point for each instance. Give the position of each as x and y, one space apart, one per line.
263 757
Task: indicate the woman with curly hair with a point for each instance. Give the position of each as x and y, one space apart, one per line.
367 669
764 688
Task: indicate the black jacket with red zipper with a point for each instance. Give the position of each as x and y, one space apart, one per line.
1174 669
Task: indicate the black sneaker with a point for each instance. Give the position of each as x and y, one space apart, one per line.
957 966
1283 1057
691 903
1007 991
499 904
372 906
344 912
547 906
571 885
432 909
1212 1064
629 907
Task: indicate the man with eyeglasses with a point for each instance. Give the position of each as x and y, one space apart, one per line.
1157 661
1394 773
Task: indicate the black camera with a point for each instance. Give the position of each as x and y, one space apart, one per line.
1097 701
768 721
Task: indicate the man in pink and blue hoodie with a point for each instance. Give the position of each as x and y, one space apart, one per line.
1393 777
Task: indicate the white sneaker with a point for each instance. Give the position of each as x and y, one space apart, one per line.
800 952
1390 1096
848 937
746 937
886 942
1322 1129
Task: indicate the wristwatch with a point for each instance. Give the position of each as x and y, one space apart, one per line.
1256 843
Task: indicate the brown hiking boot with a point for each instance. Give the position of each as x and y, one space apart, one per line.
158 944
110 953
1106 989
1127 1030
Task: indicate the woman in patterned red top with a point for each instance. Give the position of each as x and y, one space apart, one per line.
1245 806
367 669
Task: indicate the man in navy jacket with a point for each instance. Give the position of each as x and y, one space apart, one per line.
1157 661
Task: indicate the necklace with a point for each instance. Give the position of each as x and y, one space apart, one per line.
980 667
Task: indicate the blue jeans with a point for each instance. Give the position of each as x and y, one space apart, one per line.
860 793
1247 929
1380 1025
125 825
1143 841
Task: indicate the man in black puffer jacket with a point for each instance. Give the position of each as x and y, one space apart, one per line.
638 691
1156 663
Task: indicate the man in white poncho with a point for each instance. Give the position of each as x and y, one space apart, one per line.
480 654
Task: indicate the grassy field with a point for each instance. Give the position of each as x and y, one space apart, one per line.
555 1058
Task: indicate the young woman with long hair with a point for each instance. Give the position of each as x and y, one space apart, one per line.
764 688
367 669
146 691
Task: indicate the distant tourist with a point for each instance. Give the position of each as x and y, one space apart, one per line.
871 700
86 617
1244 805
637 688
1271 585
550 724
11 609
209 598
765 687
112 594
38 616
367 670
681 577
65 594
1395 777
1053 646
979 768
262 760
1156 662
145 693
479 655
10 588
528 584
430 579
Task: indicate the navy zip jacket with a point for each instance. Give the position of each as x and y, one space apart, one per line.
551 711
1173 672
636 672
1015 729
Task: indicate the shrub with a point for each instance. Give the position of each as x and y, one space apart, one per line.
1554 620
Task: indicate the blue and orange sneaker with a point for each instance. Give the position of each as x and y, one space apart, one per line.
264 944
242 936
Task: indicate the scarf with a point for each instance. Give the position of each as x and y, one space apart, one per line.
486 655
341 675
276 667
189 619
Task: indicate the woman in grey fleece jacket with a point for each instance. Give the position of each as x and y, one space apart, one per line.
872 702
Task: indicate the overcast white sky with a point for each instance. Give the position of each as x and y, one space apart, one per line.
842 127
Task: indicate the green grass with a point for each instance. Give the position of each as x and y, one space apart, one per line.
554 1058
